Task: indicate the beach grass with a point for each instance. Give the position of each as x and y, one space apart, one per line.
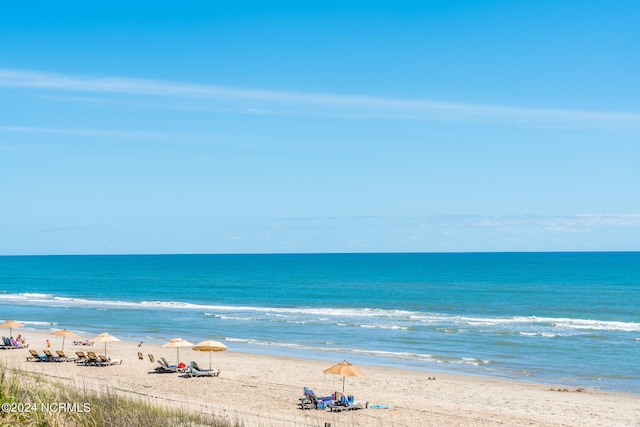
28 399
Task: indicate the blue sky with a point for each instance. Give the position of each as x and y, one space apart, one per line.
270 127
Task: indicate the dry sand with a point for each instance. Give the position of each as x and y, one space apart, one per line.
264 390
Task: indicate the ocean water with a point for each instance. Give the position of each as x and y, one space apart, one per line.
570 319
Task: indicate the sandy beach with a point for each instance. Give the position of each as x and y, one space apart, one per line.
264 390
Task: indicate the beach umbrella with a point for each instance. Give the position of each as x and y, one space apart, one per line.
345 369
64 333
11 324
177 343
105 338
210 346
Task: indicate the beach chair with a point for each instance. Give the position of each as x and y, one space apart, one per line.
344 403
140 356
35 357
63 357
308 402
11 346
151 358
165 368
106 361
311 401
6 344
93 359
182 368
82 358
195 371
51 357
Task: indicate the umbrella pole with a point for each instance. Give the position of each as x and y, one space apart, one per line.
209 359
63 337
343 377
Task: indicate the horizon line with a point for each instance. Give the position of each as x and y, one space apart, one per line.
327 253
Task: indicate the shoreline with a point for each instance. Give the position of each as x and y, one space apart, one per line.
365 360
260 389
407 365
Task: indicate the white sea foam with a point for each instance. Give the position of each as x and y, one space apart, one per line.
388 319
25 296
377 353
405 328
539 334
224 317
402 355
586 324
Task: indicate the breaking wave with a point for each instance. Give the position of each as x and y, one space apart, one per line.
371 318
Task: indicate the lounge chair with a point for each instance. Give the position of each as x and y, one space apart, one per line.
140 356
151 358
195 371
51 357
13 347
312 401
165 368
8 344
108 361
344 403
93 360
181 368
35 357
82 358
63 357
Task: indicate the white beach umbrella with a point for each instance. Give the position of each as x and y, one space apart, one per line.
105 338
177 343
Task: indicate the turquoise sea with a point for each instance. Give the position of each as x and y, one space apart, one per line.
569 319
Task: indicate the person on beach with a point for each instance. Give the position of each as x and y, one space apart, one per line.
48 344
20 340
140 345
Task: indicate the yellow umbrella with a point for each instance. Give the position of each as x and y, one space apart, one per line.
64 333
11 324
210 346
177 343
105 338
345 369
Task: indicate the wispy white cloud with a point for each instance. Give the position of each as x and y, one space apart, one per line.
632 220
514 222
456 233
548 222
281 102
